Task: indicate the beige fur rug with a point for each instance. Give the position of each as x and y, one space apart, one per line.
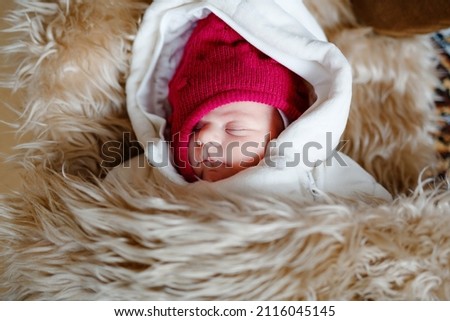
68 234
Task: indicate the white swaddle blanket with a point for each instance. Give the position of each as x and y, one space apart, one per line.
308 164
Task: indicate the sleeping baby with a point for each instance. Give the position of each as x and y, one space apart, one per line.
243 97
228 100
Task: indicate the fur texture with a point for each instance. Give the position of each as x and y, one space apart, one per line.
70 235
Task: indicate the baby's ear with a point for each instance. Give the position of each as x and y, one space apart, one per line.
403 17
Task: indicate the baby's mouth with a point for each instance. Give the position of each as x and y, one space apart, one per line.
212 164
211 167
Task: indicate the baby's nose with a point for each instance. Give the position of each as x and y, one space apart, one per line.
210 142
208 135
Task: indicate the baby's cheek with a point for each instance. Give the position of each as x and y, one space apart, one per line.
194 153
248 154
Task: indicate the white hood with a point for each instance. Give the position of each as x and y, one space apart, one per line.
282 29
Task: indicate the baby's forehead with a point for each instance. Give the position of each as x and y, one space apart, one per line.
240 111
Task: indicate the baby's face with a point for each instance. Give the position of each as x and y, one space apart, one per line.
232 138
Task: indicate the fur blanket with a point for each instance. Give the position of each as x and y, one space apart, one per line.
68 234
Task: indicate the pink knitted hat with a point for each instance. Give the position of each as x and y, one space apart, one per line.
219 67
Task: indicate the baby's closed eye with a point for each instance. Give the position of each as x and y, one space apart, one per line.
238 129
238 132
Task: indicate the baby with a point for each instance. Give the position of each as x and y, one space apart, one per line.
250 97
229 100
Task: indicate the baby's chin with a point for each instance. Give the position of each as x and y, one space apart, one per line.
217 173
